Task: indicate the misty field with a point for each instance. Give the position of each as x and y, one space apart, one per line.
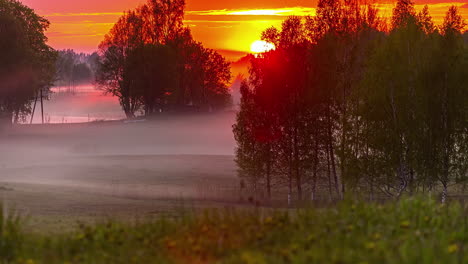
408 231
57 175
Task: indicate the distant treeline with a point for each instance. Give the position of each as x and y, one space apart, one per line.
348 102
75 68
152 64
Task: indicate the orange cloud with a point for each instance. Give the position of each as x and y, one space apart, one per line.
289 11
222 29
83 14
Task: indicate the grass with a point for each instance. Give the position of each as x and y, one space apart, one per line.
408 231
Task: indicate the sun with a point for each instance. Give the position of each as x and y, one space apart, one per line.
260 46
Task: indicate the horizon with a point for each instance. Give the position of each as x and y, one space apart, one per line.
230 27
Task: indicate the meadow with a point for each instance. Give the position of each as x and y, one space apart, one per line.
411 230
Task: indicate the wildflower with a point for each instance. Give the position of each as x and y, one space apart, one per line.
250 258
191 240
310 238
370 245
452 248
171 244
285 253
405 224
196 248
377 236
294 247
259 236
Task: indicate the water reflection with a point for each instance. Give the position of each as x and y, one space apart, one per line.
77 105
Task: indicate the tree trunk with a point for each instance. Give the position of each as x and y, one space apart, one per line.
332 154
268 173
42 106
343 141
5 119
444 192
314 176
333 166
330 193
296 165
290 181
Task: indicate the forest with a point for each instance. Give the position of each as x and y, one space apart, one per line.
352 103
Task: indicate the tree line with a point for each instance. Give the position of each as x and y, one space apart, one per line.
74 68
151 62
349 102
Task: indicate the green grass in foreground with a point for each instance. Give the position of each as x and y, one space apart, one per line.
408 231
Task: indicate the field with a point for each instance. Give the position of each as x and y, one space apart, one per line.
166 191
57 175
407 231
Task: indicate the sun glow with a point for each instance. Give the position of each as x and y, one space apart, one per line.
260 46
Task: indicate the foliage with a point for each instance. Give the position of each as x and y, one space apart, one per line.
408 231
150 61
75 68
27 62
345 104
11 237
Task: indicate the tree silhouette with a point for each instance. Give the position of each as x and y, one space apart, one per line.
344 104
27 62
150 61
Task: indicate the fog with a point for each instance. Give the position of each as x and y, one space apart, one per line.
78 105
57 168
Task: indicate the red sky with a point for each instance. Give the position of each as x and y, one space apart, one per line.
219 24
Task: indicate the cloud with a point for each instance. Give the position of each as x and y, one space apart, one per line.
82 14
71 35
288 11
234 28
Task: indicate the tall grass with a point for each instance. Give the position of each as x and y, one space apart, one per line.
11 238
408 231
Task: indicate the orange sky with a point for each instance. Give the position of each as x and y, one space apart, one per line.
222 25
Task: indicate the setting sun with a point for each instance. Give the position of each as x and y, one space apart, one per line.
260 46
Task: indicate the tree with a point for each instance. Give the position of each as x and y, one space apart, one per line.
75 68
178 72
153 67
452 78
27 62
349 105
394 125
118 43
254 154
